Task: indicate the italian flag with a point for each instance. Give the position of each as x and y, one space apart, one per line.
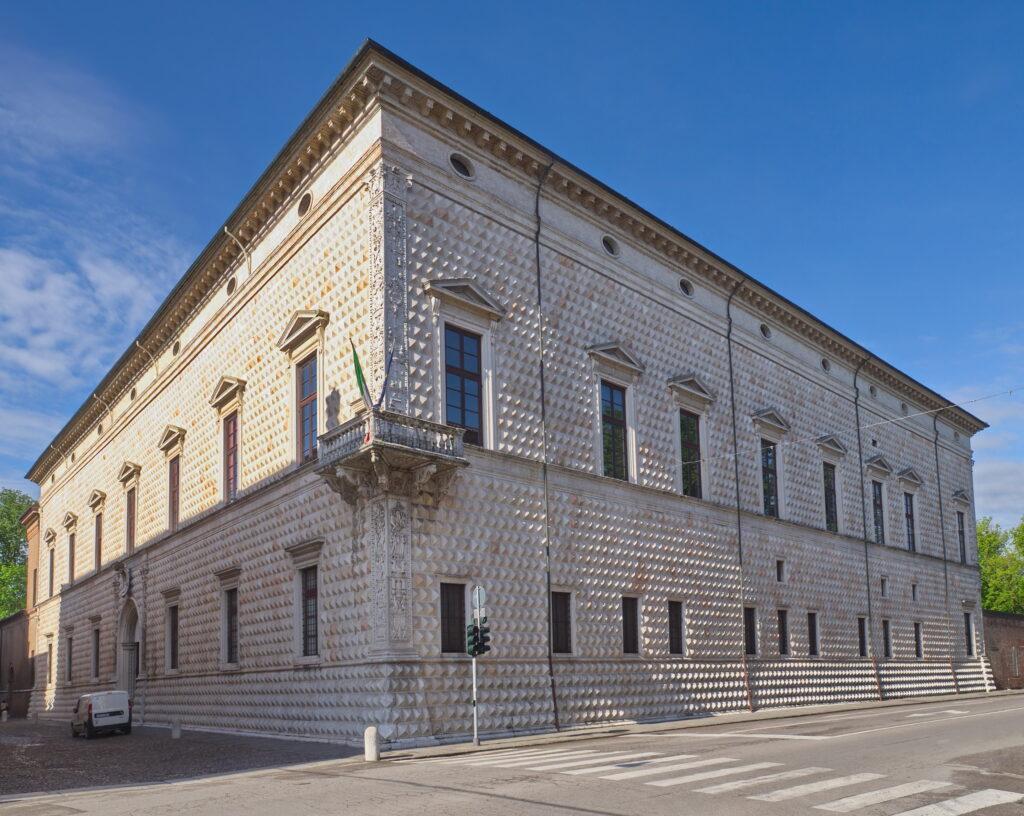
364 392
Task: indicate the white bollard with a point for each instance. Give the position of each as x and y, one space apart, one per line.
371 746
176 728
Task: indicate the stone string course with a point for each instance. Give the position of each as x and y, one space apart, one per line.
400 219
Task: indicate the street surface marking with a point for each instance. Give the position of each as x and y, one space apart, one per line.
480 757
967 804
697 777
944 711
638 764
473 760
514 762
682 766
883 795
816 787
942 720
749 736
620 756
726 787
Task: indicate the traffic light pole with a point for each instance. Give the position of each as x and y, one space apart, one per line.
476 737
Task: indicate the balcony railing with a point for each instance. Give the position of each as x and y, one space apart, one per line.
403 435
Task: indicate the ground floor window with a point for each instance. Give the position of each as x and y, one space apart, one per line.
750 630
67 659
561 622
812 634
676 628
172 637
231 625
862 636
886 638
783 617
453 618
969 634
918 641
310 601
630 625
95 652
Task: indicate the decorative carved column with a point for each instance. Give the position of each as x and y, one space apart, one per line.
388 544
389 282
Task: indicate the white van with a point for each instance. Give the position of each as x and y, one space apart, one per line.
102 711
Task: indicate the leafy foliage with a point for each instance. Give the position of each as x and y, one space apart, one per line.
13 549
1001 559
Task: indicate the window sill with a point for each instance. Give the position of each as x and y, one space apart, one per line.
454 656
307 661
229 667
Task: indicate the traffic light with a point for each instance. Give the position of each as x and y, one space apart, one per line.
483 637
472 639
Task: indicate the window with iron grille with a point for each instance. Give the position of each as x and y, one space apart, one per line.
961 534
750 630
908 514
689 443
783 618
231 625
630 625
310 600
969 634
613 430
69 646
878 506
173 491
97 541
770 477
71 557
918 641
49 663
812 634
886 638
129 520
676 628
831 506
561 622
305 384
462 382
230 456
862 637
453 618
51 574
95 652
172 637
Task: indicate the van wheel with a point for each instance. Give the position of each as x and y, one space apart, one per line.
128 729
89 733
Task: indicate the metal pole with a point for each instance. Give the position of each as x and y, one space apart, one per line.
476 738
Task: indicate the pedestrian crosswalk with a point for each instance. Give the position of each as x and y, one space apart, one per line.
812 786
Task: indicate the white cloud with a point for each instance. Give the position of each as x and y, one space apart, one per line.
999 490
26 431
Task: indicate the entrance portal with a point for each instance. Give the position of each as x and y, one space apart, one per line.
129 636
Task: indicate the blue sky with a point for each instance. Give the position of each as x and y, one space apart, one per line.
863 159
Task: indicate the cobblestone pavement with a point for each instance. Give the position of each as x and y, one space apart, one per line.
43 756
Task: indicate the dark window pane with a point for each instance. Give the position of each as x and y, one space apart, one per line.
172 637
812 633
886 639
173 489
918 642
630 626
71 557
750 630
453 618
462 383
862 636
689 439
878 506
231 608
908 513
97 555
676 639
961 534
129 520
613 430
307 409
770 477
310 592
561 622
968 634
783 632
831 509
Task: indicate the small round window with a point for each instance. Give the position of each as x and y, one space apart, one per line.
766 331
176 348
72 456
873 391
461 165
304 204
904 408
686 287
133 394
825 364
231 286
99 430
611 246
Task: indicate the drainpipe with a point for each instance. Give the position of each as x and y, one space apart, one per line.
945 557
152 359
736 478
544 441
248 257
864 525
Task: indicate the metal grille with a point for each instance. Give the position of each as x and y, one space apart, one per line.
306 393
676 627
770 477
630 626
831 508
908 513
689 443
879 510
231 620
561 622
310 636
783 632
172 637
453 618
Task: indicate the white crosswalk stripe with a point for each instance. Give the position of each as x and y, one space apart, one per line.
638 764
876 797
739 784
477 759
481 757
682 766
969 803
513 762
816 787
619 756
698 777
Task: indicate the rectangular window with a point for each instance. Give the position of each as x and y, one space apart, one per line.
97 541
71 557
453 618
630 625
49 663
783 617
310 616
51 574
884 586
95 652
129 520
812 634
69 646
561 622
173 491
676 628
463 384
961 534
908 514
918 641
172 637
305 384
613 430
231 625
878 506
969 634
770 477
886 638
780 570
913 592
831 507
689 444
862 637
230 456
750 630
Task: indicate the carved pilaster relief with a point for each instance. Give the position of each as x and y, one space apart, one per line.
388 546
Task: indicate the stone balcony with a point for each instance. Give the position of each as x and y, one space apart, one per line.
388 452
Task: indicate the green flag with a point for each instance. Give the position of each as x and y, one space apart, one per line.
364 392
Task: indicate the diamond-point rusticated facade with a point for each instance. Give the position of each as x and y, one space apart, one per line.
294 550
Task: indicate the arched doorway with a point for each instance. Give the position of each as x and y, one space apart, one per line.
129 638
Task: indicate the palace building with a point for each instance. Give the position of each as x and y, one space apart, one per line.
682 492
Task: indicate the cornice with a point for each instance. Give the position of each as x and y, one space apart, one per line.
375 77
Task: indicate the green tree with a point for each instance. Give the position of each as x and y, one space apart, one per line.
1001 561
13 549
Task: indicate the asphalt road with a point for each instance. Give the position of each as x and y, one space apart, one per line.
926 760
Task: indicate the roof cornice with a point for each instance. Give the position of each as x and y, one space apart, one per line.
375 76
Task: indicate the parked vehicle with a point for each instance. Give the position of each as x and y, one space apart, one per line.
100 712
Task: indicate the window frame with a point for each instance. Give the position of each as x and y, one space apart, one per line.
863 639
970 641
52 568
684 458
918 640
464 376
97 541
878 514
69 649
230 656
782 631
230 455
71 557
677 614
131 518
773 443
961 534
615 385
813 633
633 631
306 555
173 492
95 657
750 628
827 463
172 636
443 626
910 520
887 642
301 402
568 628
